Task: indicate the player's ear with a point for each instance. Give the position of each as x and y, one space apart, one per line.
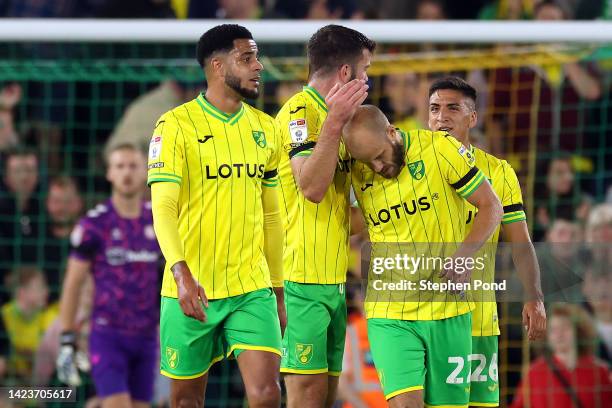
392 133
473 119
217 65
345 73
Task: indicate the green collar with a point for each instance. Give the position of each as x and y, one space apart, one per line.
316 96
405 139
215 112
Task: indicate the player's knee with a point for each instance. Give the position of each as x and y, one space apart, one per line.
189 401
265 396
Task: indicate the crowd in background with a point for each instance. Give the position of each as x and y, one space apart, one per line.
569 210
298 9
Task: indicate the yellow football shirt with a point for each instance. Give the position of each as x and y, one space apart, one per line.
316 235
221 162
506 185
424 204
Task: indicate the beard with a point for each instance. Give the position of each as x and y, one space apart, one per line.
234 83
398 159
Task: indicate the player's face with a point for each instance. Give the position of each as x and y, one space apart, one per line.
451 112
243 72
127 172
360 69
384 156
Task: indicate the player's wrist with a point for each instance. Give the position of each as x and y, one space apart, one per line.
68 338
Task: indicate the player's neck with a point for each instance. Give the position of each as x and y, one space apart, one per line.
127 207
223 99
465 140
322 85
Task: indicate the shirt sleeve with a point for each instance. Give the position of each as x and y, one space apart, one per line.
511 198
84 241
166 151
458 166
298 126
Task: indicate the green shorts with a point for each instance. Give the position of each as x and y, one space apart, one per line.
411 355
316 328
244 322
484 391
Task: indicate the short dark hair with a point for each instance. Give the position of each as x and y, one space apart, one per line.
334 45
220 38
454 83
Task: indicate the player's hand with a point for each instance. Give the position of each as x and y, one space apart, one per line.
534 319
343 101
70 361
191 295
280 307
454 275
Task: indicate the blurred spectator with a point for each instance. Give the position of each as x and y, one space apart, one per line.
560 91
202 9
560 262
560 198
430 10
10 95
25 319
19 209
405 102
318 9
359 385
568 375
598 280
239 9
136 125
507 10
64 206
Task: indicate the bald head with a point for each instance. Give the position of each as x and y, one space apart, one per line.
370 138
367 123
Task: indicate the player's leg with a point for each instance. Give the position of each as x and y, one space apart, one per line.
109 368
484 386
398 351
188 393
306 390
121 400
252 334
332 390
336 338
143 370
259 370
304 365
449 345
189 348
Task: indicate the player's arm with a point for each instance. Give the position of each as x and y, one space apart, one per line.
84 244
314 173
273 244
528 270
165 175
77 271
164 197
489 216
358 224
514 227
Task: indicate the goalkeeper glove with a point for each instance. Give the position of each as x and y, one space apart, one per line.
70 361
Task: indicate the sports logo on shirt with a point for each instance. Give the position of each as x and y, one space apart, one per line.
172 356
260 138
417 169
304 352
298 130
155 147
